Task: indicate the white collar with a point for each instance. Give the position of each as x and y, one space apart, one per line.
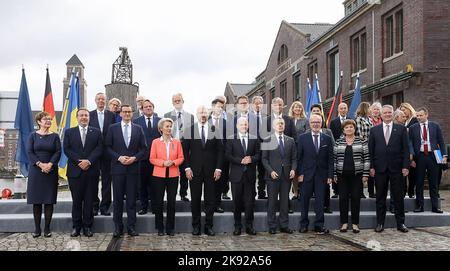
122 123
278 115
385 124
278 135
103 111
243 135
81 127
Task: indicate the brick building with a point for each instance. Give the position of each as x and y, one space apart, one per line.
399 48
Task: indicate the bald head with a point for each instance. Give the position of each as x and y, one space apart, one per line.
202 114
343 109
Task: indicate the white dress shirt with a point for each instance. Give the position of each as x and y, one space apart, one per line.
318 138
422 141
200 130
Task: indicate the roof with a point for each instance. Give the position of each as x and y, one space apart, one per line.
74 61
314 30
241 89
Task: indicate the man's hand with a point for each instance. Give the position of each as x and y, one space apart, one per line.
246 160
123 159
274 175
405 172
413 164
217 174
329 180
372 172
444 160
189 174
300 178
84 164
292 174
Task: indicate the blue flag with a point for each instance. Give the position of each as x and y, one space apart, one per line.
308 98
23 123
356 99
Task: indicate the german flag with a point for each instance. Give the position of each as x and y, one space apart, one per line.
48 104
336 101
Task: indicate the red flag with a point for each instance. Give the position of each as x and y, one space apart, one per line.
336 101
48 103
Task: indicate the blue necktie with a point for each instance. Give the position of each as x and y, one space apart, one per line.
316 142
125 135
281 146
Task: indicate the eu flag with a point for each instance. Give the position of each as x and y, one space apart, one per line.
23 123
356 99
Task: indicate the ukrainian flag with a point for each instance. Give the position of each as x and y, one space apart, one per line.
69 118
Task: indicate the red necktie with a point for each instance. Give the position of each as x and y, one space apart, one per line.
425 139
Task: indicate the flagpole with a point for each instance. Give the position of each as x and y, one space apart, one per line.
66 100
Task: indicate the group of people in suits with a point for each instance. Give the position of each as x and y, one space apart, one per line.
144 156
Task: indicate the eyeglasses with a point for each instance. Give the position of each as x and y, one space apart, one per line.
127 112
315 122
44 119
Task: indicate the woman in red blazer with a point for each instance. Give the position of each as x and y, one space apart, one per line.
166 155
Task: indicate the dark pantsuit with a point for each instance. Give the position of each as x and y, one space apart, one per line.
382 181
278 191
125 184
221 186
146 190
82 190
349 188
371 186
196 186
426 164
261 180
412 181
307 188
326 199
160 186
184 183
244 200
105 203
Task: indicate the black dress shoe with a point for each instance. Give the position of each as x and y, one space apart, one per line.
36 234
184 199
363 196
88 232
391 210
402 228
379 228
142 212
291 211
225 196
250 231
286 230
209 231
219 210
196 231
411 196
237 231
95 213
47 234
418 210
272 231
161 232
327 211
105 213
262 197
373 196
75 233
321 230
334 196
132 232
303 230
295 197
170 232
438 211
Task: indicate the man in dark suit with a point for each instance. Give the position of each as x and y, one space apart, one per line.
426 137
126 146
149 123
203 155
243 152
315 170
279 157
101 118
182 121
389 162
336 128
83 146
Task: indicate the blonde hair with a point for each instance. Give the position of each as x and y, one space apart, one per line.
161 123
410 108
291 109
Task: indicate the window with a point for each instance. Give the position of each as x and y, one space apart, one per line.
393 33
333 73
359 51
282 54
297 94
394 99
312 70
283 91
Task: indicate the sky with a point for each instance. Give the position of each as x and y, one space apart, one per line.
194 47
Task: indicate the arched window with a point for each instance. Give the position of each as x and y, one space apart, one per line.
282 54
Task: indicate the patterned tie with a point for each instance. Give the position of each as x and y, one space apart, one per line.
83 135
316 142
281 146
425 139
125 135
387 134
101 119
203 136
180 121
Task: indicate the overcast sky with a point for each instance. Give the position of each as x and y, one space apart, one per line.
193 47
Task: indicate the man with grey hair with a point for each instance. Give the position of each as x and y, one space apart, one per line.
389 163
182 121
139 112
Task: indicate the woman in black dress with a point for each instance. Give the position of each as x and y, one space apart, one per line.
44 151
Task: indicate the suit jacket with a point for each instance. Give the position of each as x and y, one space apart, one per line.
315 164
74 150
188 121
252 124
289 126
150 134
158 155
109 119
234 152
220 129
116 147
272 159
392 157
434 134
335 127
199 158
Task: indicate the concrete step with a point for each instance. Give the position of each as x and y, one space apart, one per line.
223 223
19 206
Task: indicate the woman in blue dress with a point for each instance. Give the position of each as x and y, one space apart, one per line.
44 151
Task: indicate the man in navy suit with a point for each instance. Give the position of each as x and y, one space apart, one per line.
315 170
149 123
389 162
426 136
126 146
83 146
101 118
336 129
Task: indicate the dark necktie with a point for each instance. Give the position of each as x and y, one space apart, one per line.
203 136
316 142
244 146
281 146
149 124
258 119
180 122
425 139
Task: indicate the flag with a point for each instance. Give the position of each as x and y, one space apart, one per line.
336 101
48 103
69 119
356 99
308 98
23 123
316 98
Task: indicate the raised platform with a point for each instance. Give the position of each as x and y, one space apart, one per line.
16 216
